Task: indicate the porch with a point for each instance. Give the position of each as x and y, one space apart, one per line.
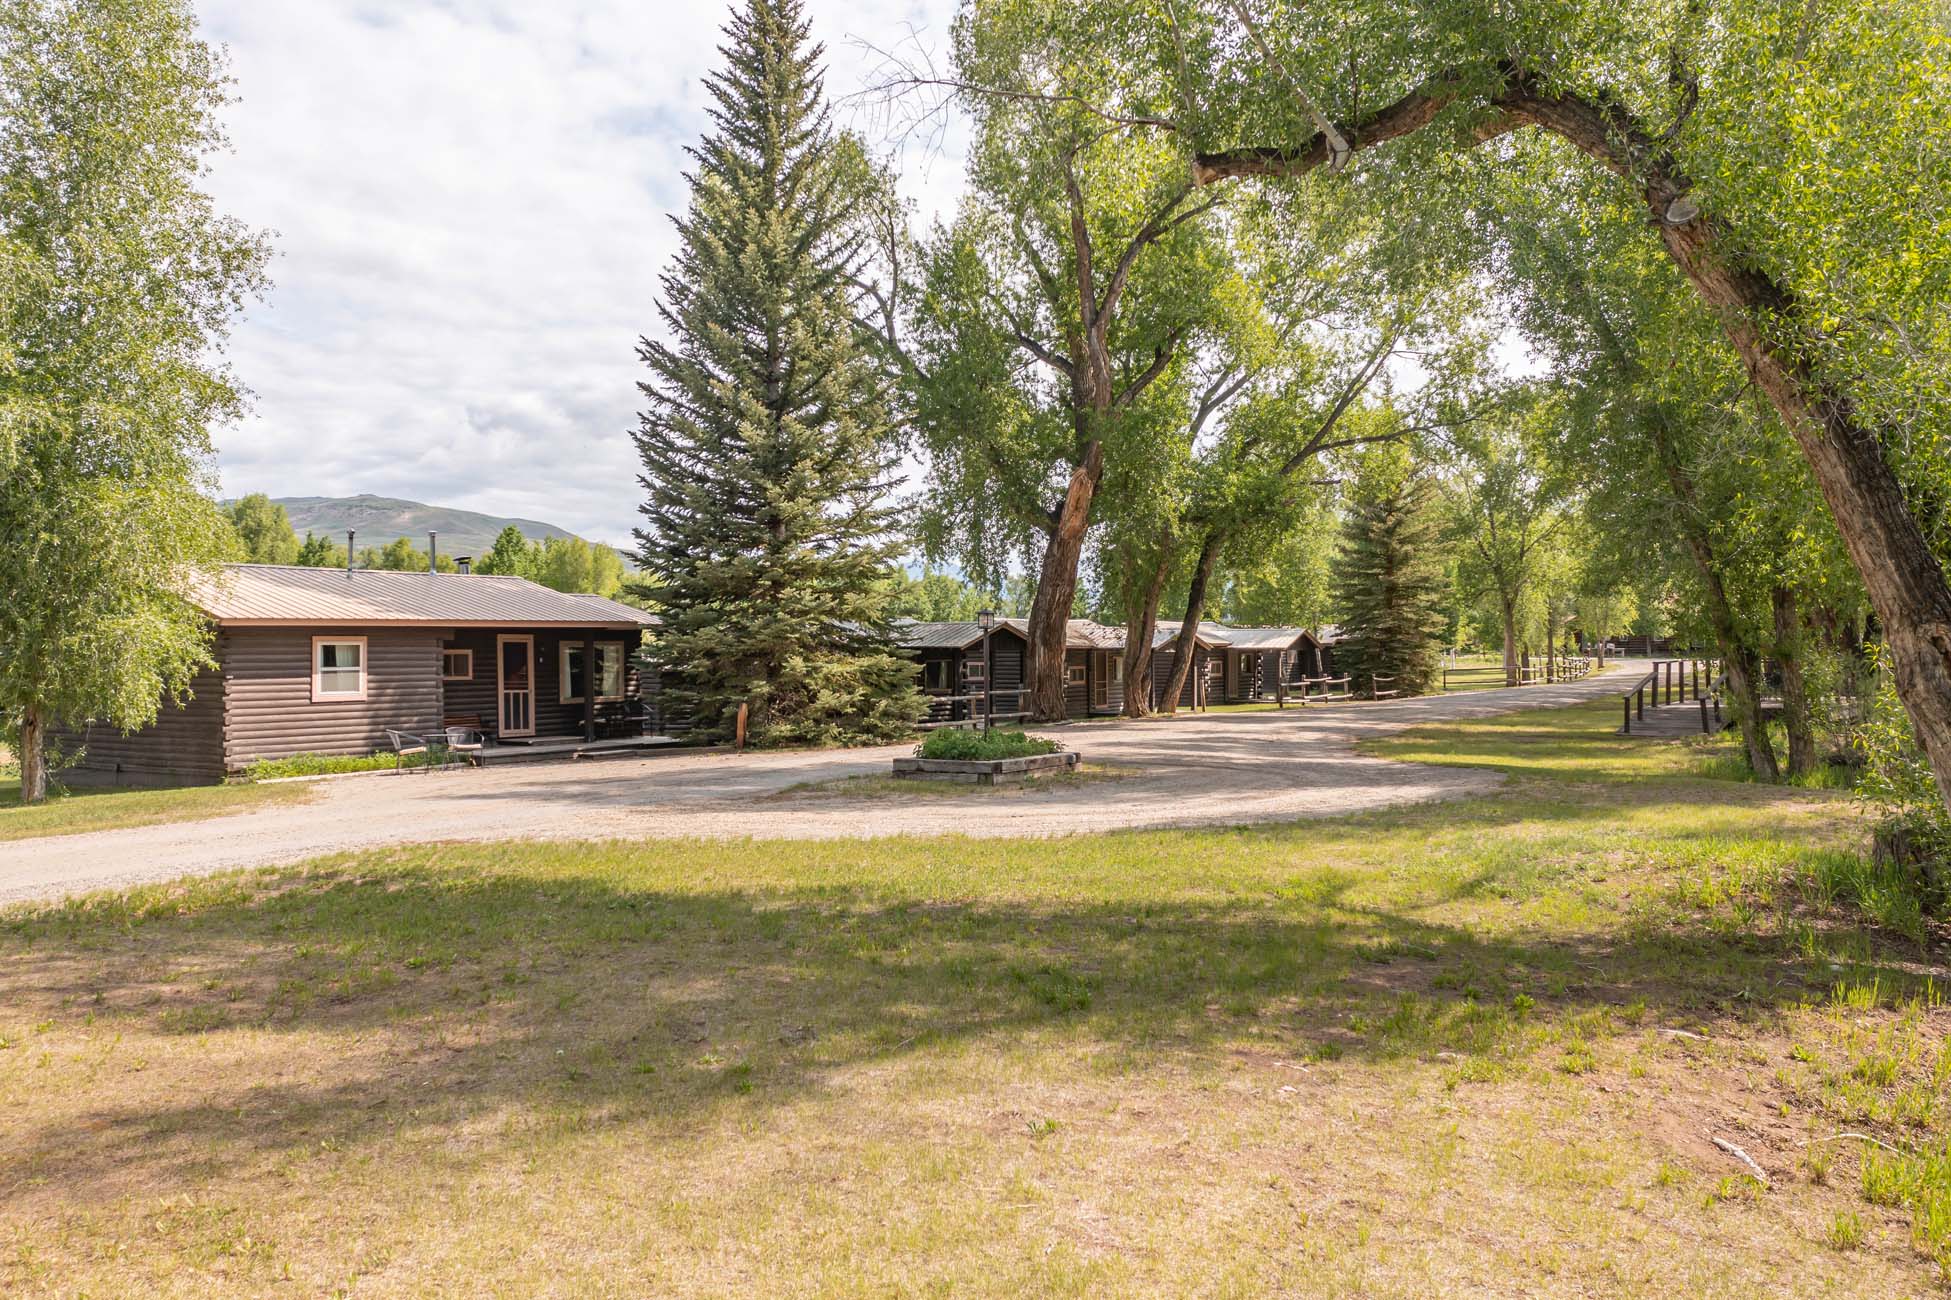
553 748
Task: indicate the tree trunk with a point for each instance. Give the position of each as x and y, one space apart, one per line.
1742 664
1508 607
1795 694
33 756
1185 648
1056 588
1140 629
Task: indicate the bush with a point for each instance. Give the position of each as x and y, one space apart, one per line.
975 746
1898 785
270 769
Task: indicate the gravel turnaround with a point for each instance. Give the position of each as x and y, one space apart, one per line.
1193 770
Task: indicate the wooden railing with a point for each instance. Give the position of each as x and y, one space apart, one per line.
1375 689
1008 706
1667 678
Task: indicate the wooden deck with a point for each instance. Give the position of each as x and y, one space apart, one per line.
550 748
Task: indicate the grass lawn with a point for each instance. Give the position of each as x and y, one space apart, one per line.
75 812
1480 1047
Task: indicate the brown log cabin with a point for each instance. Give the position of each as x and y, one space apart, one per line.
1231 665
326 661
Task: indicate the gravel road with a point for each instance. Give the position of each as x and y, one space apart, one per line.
1198 770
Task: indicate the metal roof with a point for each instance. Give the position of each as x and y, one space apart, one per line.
274 595
1081 634
1211 635
1266 638
1330 634
911 634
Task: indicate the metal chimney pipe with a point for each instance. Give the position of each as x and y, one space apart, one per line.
349 535
433 551
464 563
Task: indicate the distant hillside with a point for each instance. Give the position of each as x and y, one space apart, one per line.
380 519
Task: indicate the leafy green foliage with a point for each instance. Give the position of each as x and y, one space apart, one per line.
937 598
1897 781
767 442
980 746
263 530
106 115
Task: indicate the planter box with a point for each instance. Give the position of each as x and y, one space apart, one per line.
991 771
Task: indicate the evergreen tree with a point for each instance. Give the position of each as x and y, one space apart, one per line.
1391 582
320 553
766 447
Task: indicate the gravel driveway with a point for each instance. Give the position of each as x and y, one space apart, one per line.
1196 770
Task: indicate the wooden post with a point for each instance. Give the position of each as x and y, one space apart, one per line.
743 711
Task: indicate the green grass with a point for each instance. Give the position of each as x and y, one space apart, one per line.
80 811
980 746
1437 1049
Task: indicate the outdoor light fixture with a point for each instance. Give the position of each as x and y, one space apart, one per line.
986 619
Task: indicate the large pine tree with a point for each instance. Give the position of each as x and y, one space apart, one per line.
1389 586
766 447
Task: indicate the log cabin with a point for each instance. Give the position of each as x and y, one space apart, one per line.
327 661
950 655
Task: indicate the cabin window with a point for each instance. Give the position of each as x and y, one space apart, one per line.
1117 669
456 665
1079 674
609 672
934 675
338 668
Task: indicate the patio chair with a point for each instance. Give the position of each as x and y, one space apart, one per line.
405 745
467 742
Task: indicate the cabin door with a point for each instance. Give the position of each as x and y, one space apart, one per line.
515 684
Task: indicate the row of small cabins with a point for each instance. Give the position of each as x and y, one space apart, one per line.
330 661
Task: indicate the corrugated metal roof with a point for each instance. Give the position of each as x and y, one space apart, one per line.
911 634
290 594
1265 638
1209 634
1330 634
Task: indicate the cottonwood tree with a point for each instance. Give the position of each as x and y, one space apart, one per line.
118 283
766 444
1824 267
1508 501
263 530
1053 306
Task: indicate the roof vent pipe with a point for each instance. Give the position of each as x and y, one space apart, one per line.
349 535
433 550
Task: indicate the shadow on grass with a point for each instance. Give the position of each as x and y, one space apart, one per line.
418 1000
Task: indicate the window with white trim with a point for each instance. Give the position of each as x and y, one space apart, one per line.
609 671
338 668
1078 675
456 665
1117 668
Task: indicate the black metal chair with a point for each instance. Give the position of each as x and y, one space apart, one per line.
405 745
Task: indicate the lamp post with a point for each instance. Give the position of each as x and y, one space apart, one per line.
986 620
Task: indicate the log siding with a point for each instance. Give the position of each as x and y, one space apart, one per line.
269 711
184 746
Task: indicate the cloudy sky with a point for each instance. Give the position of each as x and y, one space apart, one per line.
470 200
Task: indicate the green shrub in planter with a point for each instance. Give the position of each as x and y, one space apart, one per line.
975 746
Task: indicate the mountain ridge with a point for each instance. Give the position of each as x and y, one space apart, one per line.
378 520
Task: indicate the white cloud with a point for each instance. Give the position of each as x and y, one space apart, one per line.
472 205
